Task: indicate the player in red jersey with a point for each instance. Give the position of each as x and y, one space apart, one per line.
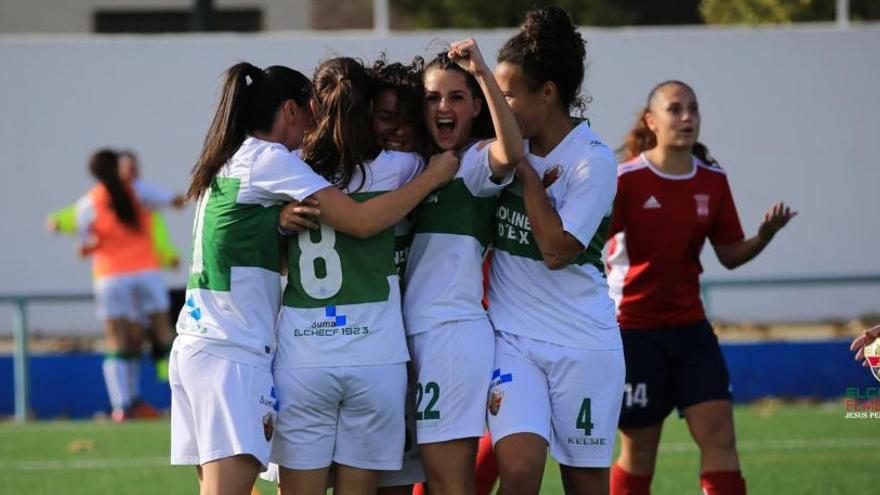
671 197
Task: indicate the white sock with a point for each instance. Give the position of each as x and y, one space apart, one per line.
116 377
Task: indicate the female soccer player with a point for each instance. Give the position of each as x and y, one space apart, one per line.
671 197
558 362
398 124
341 363
223 398
114 226
450 336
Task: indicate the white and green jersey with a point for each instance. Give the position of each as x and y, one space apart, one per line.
234 289
341 306
570 306
453 227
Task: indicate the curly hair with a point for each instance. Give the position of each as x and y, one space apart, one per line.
406 82
548 47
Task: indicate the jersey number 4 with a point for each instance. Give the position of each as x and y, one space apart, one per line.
585 418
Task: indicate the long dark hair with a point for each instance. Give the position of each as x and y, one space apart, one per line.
342 140
104 166
482 128
640 138
249 101
548 47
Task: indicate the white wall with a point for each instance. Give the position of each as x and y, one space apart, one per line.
790 113
75 16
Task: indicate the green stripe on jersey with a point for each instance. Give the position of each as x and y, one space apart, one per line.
513 233
327 268
452 209
231 234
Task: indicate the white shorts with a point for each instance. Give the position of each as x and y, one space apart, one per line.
219 408
131 296
350 415
453 366
569 396
412 471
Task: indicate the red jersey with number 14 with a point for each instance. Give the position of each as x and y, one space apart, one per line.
660 224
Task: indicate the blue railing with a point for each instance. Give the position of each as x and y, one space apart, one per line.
21 369
20 303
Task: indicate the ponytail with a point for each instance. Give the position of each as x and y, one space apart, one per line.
227 130
640 138
249 101
104 166
342 140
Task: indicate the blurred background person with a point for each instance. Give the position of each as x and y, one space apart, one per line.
113 227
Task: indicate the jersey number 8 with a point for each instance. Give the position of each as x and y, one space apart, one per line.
331 283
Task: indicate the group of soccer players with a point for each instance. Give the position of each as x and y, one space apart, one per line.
377 357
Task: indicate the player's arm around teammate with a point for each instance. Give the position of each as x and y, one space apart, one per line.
559 362
671 197
450 336
341 362
221 362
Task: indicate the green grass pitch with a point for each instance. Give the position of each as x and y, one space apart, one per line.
803 449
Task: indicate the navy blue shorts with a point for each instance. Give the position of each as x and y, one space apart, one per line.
671 367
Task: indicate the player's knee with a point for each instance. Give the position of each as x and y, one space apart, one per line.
716 436
640 453
521 476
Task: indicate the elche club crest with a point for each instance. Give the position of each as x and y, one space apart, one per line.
551 175
872 357
268 425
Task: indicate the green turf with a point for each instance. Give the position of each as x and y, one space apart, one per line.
784 449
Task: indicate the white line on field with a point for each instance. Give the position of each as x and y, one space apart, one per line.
84 464
679 447
780 444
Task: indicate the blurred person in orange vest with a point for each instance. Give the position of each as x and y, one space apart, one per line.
114 227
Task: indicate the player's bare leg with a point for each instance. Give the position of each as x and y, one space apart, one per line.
355 481
584 481
638 448
711 426
303 481
229 476
521 460
115 331
162 328
449 466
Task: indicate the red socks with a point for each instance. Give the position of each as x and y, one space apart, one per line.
624 483
487 467
722 483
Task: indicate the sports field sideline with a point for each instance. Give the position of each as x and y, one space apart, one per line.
785 449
